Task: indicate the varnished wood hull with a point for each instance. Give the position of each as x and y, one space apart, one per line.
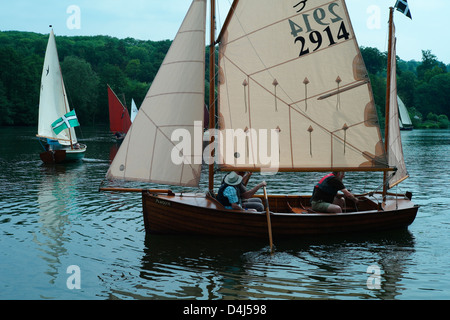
198 214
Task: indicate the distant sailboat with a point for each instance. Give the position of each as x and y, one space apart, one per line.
134 110
56 121
292 68
119 118
405 120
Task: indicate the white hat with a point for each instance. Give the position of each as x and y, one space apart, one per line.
233 179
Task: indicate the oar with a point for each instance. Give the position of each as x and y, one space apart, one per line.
269 225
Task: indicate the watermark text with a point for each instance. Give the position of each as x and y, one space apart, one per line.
237 147
374 280
74 20
74 280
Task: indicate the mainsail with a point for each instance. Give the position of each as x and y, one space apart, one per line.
53 103
172 108
295 67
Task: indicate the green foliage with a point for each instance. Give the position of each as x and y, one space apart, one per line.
19 71
433 96
434 121
423 86
88 65
5 106
374 59
443 121
81 84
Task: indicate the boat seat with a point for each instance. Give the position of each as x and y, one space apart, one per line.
296 209
300 209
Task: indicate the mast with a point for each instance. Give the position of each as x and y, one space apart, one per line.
212 109
388 96
64 95
65 106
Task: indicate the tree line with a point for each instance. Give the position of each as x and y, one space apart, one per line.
129 66
423 86
88 64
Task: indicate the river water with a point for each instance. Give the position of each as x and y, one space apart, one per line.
62 239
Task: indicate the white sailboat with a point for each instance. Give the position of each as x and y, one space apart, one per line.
404 118
289 67
54 105
134 110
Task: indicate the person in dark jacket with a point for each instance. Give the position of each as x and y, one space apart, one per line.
325 196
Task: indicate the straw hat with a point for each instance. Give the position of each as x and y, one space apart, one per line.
233 179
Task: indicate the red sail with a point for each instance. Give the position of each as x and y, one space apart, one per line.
119 118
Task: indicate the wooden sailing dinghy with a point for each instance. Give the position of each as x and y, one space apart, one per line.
53 105
294 69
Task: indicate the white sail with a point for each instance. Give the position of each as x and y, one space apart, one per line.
134 110
395 149
405 120
295 66
174 102
53 103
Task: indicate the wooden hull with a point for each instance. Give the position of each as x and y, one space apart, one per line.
198 214
64 155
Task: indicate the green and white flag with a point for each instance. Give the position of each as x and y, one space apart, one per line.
69 120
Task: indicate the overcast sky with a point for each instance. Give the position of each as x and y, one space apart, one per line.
160 20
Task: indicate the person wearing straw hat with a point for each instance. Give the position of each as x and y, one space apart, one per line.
232 193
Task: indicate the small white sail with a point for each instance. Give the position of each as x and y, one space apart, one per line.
405 120
295 66
175 101
53 103
134 110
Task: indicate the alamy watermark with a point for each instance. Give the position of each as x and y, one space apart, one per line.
374 19
231 146
374 280
74 280
74 20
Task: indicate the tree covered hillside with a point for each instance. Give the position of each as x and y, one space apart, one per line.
423 86
129 66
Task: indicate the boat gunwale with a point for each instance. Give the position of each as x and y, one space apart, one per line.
82 149
280 214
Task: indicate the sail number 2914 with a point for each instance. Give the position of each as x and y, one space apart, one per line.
312 39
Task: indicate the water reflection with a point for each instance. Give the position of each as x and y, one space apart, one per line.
54 216
57 199
180 267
